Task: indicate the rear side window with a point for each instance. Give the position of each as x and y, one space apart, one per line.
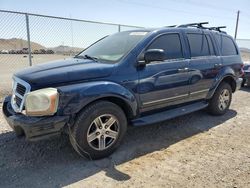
210 44
228 47
198 45
171 45
218 38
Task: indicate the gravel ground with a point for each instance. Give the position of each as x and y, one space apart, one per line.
196 150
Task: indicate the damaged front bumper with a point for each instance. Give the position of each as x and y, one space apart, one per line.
34 128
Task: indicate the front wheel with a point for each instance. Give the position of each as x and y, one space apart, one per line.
221 100
98 130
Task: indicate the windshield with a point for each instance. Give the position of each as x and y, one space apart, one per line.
113 47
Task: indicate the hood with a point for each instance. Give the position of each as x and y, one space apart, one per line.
63 71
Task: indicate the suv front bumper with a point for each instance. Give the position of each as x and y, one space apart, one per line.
34 128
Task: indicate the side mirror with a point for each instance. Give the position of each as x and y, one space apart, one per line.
154 55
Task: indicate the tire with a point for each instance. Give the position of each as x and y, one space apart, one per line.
98 130
221 100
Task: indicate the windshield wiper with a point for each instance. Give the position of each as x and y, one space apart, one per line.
87 57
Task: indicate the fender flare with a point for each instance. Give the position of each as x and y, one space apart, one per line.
74 98
224 74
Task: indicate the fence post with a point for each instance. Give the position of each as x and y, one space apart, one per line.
28 38
119 28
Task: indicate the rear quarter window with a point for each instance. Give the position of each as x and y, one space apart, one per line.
228 47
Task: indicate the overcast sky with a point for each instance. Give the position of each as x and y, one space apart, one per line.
147 13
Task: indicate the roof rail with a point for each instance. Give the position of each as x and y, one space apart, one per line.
198 25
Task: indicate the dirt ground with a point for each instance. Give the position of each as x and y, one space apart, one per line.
196 150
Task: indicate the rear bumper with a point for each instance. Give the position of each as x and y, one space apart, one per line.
34 128
246 75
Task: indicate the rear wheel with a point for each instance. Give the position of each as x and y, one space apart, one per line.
98 130
221 99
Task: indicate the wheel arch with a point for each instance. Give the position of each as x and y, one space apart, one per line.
228 78
76 98
126 108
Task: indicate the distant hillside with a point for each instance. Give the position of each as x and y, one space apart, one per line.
245 54
17 44
245 50
62 49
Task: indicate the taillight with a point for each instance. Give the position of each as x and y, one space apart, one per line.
242 70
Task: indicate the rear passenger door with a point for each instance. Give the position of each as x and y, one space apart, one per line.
164 83
204 64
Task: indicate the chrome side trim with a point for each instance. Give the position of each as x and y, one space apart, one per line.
163 100
175 97
14 93
201 91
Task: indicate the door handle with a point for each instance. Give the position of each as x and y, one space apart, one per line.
183 70
217 65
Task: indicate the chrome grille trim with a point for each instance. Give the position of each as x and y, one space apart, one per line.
18 107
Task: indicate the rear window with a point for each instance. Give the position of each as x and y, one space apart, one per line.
198 45
171 45
228 47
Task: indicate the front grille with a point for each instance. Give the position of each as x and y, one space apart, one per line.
18 101
20 89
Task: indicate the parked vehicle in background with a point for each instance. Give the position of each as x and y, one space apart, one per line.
246 76
134 78
4 51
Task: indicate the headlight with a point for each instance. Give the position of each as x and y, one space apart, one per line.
41 102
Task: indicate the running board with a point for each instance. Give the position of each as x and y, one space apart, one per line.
169 114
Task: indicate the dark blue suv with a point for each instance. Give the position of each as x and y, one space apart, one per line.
134 78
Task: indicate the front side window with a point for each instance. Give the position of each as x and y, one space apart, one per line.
171 45
198 45
112 48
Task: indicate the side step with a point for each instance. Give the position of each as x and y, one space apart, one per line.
169 114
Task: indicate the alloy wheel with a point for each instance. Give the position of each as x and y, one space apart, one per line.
103 132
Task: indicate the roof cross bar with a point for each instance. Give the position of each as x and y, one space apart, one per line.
217 28
171 26
198 25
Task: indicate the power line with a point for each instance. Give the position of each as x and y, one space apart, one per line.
204 5
169 9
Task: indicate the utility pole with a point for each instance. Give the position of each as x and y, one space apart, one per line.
237 23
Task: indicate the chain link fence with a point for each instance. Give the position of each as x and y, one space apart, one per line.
29 39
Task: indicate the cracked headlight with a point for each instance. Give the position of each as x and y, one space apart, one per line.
41 102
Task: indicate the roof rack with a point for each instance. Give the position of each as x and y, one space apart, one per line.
200 26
